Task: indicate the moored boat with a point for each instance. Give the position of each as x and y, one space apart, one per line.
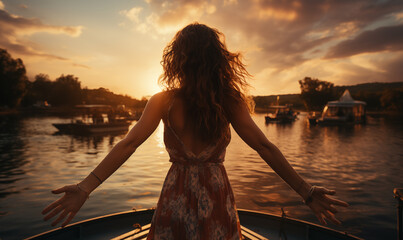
281 114
136 224
313 117
344 111
88 128
95 119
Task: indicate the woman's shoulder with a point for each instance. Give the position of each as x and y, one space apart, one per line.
163 96
162 101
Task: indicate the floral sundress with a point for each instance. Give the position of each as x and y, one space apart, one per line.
196 200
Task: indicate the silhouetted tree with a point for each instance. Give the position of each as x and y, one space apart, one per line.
392 99
315 93
66 90
372 98
39 90
12 80
42 86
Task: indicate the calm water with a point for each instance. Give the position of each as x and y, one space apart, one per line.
362 163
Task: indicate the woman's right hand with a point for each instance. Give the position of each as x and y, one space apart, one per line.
68 205
324 206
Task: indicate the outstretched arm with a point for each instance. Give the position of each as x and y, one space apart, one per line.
321 204
76 195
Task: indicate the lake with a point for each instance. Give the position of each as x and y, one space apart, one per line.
363 163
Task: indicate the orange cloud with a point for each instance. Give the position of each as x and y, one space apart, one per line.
388 38
13 28
170 16
23 6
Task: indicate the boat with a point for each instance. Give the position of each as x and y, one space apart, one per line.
89 128
136 224
127 114
95 119
344 111
313 117
281 114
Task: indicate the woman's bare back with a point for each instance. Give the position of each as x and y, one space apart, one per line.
183 127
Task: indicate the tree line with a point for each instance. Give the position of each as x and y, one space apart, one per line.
16 90
316 93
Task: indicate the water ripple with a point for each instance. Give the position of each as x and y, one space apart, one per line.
362 163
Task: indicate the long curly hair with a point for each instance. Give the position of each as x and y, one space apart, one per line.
211 79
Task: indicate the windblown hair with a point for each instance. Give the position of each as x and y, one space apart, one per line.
211 79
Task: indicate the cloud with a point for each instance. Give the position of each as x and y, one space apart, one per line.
287 33
81 65
14 29
13 24
288 42
287 39
390 66
167 17
381 39
385 67
399 16
133 15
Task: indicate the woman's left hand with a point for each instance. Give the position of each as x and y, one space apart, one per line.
67 206
324 206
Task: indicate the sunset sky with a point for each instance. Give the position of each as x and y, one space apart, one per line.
118 44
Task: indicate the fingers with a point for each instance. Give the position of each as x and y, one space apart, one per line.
331 200
326 212
56 211
69 201
338 202
71 216
324 206
51 206
61 217
59 190
331 217
332 209
320 218
326 191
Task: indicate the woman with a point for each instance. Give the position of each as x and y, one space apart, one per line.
204 94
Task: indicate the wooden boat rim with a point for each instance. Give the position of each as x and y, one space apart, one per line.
91 220
240 212
295 221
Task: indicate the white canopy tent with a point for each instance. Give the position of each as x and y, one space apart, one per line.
345 110
345 101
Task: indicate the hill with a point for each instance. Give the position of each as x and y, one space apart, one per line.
374 87
378 96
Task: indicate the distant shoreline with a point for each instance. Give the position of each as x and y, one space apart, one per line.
68 111
371 112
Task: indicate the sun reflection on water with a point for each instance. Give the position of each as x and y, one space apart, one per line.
159 136
362 163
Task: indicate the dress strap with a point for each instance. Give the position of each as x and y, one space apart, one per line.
171 100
